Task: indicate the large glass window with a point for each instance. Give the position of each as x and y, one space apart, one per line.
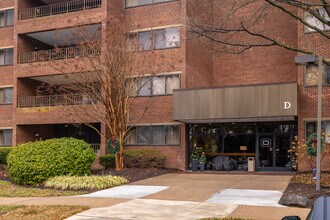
133 3
154 135
143 135
6 95
313 21
7 57
7 18
145 87
311 127
145 40
159 39
6 137
158 85
311 75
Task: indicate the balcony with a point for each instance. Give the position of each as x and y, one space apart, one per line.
53 100
57 54
60 8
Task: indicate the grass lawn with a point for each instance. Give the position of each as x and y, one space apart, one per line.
8 189
39 212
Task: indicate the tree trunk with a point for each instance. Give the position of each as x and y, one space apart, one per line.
119 160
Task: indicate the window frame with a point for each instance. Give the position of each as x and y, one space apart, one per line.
5 51
323 124
312 30
324 76
152 3
2 102
150 142
151 79
136 35
2 131
5 12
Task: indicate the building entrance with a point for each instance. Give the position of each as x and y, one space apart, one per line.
273 152
227 146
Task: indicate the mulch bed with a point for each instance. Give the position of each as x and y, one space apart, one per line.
3 172
135 174
132 174
302 184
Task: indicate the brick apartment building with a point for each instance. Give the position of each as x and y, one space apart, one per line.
233 106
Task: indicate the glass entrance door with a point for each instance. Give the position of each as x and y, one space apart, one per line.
266 154
273 152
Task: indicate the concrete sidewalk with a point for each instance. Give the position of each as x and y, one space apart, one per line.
182 196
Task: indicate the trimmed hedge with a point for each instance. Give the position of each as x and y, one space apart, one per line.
144 158
84 182
4 151
108 161
34 162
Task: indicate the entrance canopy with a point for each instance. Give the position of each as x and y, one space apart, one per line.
271 102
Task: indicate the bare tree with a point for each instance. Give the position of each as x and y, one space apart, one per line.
105 81
227 23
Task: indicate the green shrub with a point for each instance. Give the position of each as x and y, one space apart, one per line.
144 158
35 162
4 151
84 182
108 161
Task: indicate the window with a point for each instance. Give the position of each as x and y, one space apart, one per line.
7 18
133 3
310 19
6 137
312 74
6 95
311 127
159 39
145 40
7 57
154 135
144 87
158 85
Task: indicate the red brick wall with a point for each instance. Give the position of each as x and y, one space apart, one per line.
6 4
6 72
259 65
6 36
308 95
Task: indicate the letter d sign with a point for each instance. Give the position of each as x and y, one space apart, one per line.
287 105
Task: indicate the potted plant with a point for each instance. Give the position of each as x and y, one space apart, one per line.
194 160
202 160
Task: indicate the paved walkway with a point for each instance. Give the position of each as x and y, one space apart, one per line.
182 196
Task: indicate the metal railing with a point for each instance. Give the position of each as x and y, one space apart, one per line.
54 100
96 148
59 8
58 54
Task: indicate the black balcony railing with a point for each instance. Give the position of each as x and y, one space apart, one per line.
60 8
54 100
57 54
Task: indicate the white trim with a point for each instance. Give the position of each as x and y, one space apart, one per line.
156 74
5 9
6 47
6 86
6 128
155 28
